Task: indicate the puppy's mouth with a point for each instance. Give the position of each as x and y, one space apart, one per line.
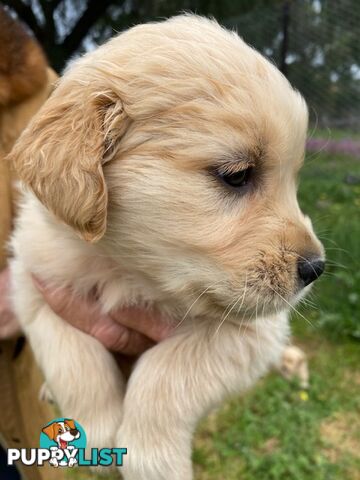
237 307
63 444
261 299
267 288
252 301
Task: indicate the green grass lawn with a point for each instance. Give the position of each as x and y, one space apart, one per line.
276 431
330 194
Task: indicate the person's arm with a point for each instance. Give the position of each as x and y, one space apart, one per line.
129 331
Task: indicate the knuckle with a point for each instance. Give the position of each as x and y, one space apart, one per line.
122 341
58 306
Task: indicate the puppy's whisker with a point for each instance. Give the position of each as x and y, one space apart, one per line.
225 316
232 305
330 240
244 321
310 297
338 249
240 306
270 321
292 307
308 303
196 300
314 156
315 124
256 326
332 263
243 295
304 300
331 274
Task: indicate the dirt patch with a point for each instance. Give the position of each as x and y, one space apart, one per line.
270 446
352 377
354 474
340 434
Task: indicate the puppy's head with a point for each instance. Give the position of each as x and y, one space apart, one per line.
179 146
62 432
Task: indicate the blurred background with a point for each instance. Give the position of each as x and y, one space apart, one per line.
278 431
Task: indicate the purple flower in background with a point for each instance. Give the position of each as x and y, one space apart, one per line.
345 146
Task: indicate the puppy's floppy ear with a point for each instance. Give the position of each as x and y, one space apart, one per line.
50 430
70 423
61 153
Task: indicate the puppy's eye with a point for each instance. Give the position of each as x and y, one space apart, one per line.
236 180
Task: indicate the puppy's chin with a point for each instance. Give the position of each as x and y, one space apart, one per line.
300 294
247 308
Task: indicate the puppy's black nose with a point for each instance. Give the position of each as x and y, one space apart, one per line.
310 269
74 432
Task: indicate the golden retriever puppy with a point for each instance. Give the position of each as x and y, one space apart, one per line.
162 172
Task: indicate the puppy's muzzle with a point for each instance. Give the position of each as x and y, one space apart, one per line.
310 269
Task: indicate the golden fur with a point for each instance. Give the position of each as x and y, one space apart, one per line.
22 62
25 84
294 365
124 154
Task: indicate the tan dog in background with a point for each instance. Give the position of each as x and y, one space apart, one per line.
162 172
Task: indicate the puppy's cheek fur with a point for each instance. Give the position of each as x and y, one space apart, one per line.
198 247
230 250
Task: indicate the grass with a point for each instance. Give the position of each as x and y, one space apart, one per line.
277 431
330 193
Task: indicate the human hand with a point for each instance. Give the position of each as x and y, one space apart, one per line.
9 325
129 331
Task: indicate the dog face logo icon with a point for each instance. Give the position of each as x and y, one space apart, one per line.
63 437
62 432
63 444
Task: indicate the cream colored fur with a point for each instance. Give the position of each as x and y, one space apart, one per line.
293 364
121 160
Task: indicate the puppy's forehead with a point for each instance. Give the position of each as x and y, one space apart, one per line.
61 425
238 129
189 80
232 93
